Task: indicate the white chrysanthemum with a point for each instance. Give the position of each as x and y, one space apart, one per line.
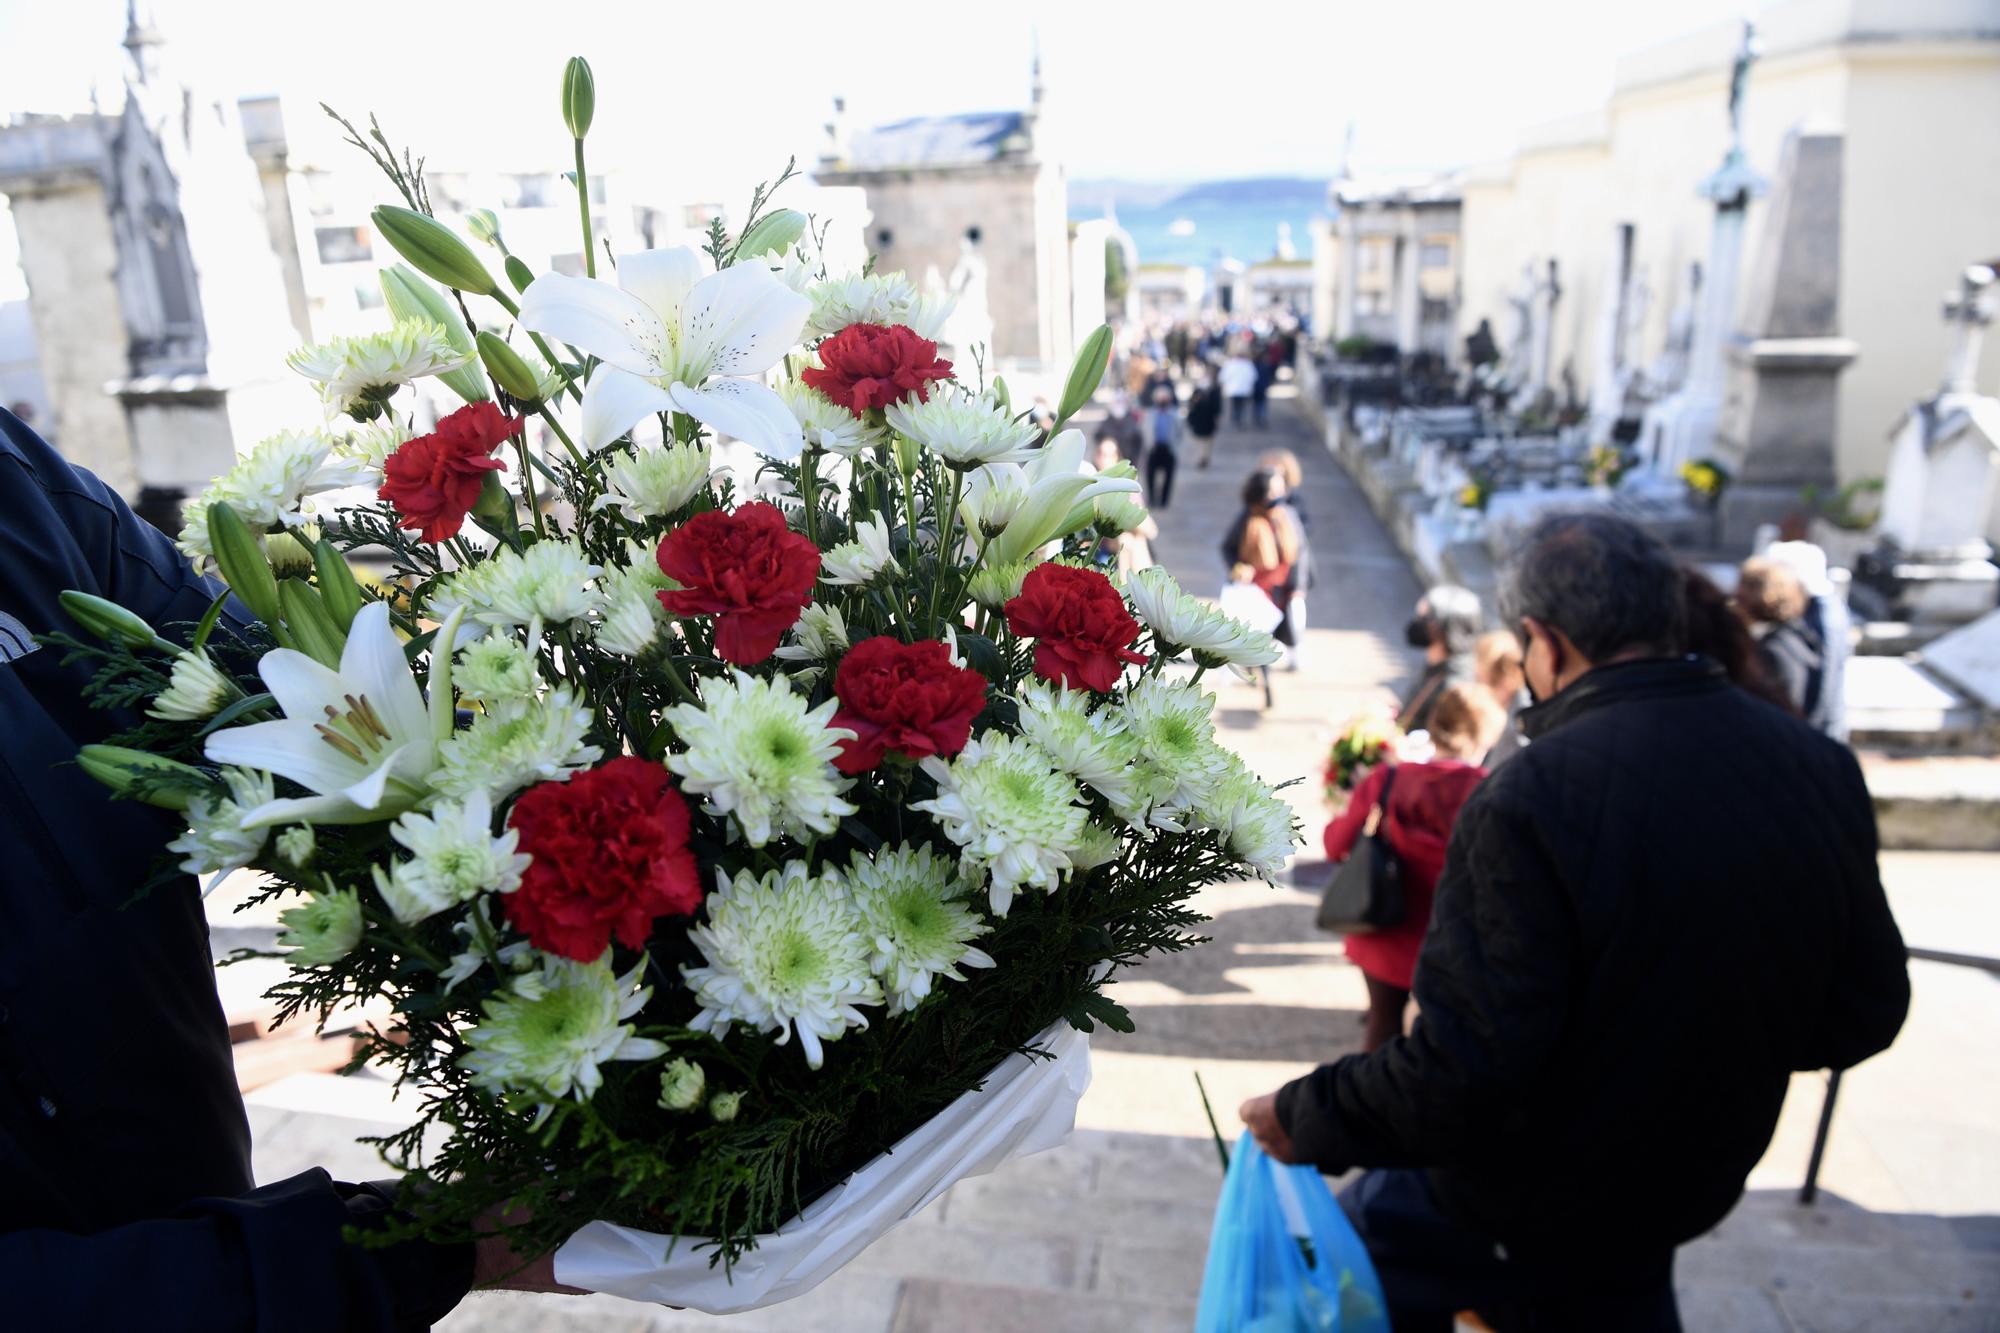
965 432
453 857
783 954
654 483
1174 726
926 316
682 1086
296 845
917 920
859 562
362 372
1101 846
864 298
290 551
548 1032
632 618
723 1107
216 838
369 445
549 585
500 753
194 690
497 671
324 929
1003 800
1181 621
266 486
819 635
827 425
756 752
1255 824
993 586
1120 513
1092 747
511 958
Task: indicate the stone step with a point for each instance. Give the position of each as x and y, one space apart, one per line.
1944 803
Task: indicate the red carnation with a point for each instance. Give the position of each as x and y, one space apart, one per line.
906 697
610 854
748 570
874 365
1079 623
434 480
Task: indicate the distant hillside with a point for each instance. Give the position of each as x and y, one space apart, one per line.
1089 197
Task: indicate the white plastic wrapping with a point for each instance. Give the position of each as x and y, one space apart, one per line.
1027 1106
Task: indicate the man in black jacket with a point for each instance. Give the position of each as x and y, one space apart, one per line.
1646 922
126 1198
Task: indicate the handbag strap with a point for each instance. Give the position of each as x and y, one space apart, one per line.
1381 810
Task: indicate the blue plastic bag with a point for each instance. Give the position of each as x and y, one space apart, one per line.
1283 1258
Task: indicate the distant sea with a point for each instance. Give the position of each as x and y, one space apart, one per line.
1237 219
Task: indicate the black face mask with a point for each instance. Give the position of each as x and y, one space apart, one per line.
1418 632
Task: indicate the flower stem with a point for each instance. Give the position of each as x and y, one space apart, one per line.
528 482
583 206
946 524
575 454
809 485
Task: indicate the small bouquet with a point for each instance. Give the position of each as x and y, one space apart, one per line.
709 834
1366 741
1476 493
1705 479
1607 465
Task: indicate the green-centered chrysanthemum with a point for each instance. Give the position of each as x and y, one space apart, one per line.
783 954
1179 621
552 583
913 906
547 1034
500 753
1005 802
194 690
1092 747
656 482
682 1086
1255 825
1180 762
756 752
632 617
216 836
454 858
995 585
324 929
497 671
359 374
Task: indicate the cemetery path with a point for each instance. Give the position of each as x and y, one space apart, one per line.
1108 1234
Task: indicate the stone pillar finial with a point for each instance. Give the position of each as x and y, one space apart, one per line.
1968 311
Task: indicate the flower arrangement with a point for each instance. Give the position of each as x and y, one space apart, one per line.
1475 493
1705 478
1365 741
706 833
1607 465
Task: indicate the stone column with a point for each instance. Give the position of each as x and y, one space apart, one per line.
1690 433
1408 293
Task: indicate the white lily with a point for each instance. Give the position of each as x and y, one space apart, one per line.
675 337
361 738
1031 504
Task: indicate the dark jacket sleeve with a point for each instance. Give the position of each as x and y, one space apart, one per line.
1870 992
1493 988
268 1260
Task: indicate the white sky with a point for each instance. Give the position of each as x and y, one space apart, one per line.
714 94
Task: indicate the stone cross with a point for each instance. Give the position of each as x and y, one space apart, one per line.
1968 312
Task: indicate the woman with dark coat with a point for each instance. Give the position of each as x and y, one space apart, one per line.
1423 805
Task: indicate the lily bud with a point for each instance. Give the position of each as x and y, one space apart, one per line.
119 769
1085 372
519 273
311 625
772 234
109 621
433 249
241 559
337 586
579 96
909 454
1000 395
507 368
410 297
484 224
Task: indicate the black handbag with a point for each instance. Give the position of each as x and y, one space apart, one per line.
1367 890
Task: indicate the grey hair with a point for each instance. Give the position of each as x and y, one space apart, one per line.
1456 613
1605 582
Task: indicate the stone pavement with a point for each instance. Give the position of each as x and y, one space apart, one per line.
1108 1234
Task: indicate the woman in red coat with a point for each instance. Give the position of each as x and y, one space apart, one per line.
1423 805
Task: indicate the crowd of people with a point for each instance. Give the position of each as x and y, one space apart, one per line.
1619 946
